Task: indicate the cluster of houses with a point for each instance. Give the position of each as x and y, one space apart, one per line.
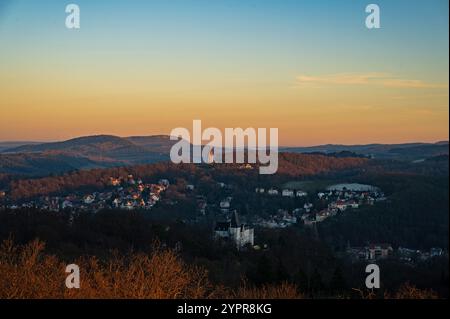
284 192
412 256
376 252
281 219
338 199
370 252
202 205
343 199
124 193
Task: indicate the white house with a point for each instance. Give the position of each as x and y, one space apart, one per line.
301 194
89 199
290 219
287 193
116 202
226 203
352 204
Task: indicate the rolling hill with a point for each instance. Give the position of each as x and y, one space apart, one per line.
9 145
42 164
84 153
103 151
407 152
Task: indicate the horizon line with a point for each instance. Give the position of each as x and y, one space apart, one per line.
280 146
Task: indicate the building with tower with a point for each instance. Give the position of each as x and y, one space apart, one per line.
240 234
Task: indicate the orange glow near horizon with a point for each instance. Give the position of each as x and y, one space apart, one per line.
305 116
349 85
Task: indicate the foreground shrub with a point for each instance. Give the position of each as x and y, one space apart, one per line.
26 272
408 291
282 291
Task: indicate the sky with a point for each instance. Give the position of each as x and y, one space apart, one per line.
309 68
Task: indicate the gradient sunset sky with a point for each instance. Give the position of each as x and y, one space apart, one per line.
310 68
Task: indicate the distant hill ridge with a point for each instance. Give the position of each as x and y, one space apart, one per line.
406 151
109 150
164 143
84 153
109 141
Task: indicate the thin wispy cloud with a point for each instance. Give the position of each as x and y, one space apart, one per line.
420 96
374 79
